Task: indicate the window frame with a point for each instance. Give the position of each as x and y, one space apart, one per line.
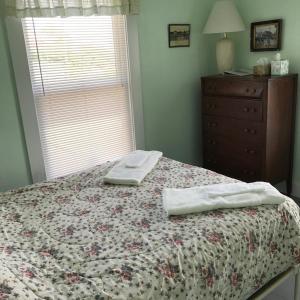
26 96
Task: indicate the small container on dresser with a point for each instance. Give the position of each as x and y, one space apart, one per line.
248 126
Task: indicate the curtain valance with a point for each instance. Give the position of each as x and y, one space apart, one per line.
65 8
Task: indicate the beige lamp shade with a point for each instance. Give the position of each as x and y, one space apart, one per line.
224 17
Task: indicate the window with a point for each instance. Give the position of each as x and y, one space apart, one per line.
79 70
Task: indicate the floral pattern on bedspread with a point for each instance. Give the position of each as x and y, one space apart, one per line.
78 238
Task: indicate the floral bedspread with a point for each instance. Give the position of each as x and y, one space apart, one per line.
78 238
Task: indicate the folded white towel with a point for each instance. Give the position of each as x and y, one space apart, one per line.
137 158
210 197
121 174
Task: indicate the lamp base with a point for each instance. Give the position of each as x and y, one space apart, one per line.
225 54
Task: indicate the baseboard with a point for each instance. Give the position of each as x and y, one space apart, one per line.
296 189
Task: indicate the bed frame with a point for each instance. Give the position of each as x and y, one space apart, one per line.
274 283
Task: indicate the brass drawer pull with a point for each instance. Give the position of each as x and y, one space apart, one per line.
251 131
250 151
247 109
212 124
211 106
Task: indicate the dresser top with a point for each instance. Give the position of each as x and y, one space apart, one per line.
249 77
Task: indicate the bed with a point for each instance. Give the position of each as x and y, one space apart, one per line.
78 238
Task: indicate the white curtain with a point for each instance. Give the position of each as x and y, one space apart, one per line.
65 8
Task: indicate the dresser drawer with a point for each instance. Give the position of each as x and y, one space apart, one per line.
233 149
234 130
233 108
235 88
235 168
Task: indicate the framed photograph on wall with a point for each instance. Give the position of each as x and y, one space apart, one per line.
266 35
179 35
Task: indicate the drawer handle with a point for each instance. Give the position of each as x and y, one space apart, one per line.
212 142
251 131
212 124
248 90
211 106
250 151
247 109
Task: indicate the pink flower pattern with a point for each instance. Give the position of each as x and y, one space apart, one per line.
27 272
97 241
5 290
72 278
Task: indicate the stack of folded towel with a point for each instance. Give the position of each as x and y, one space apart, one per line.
210 197
133 168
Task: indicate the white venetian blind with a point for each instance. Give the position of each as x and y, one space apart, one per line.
80 81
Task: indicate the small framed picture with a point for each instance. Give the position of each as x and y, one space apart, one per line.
266 35
179 35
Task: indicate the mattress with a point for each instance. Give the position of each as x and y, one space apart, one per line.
78 238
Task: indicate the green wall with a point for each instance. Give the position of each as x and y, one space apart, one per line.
259 10
171 76
14 169
170 83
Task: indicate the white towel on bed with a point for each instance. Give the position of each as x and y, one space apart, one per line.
121 174
137 158
210 197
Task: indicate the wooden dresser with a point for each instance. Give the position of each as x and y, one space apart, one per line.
248 126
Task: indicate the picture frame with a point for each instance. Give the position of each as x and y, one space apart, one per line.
266 35
179 35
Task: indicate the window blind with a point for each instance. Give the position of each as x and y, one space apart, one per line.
80 81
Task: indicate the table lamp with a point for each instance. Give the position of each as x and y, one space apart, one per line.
224 18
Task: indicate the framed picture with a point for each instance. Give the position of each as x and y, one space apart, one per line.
266 35
179 35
